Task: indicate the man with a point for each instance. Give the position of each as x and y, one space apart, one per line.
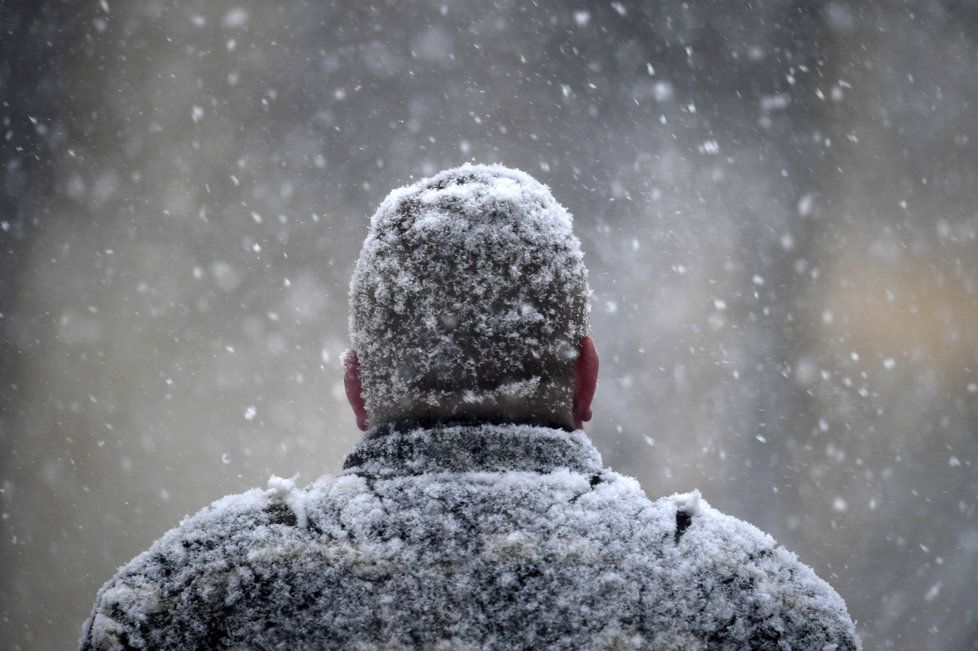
474 513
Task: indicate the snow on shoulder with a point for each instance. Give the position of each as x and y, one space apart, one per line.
544 549
470 294
741 584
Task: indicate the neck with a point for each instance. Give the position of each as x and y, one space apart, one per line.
410 424
409 449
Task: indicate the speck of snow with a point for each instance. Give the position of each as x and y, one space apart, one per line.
709 147
250 412
806 371
662 92
235 18
806 204
774 102
281 486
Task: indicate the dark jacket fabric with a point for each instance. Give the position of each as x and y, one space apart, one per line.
467 537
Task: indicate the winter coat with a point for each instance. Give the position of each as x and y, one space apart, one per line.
467 537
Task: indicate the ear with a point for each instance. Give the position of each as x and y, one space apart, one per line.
585 381
354 389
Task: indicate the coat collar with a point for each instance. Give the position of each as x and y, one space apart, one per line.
411 449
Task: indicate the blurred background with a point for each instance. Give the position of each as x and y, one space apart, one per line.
777 205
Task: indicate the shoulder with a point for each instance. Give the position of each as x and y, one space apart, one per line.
173 594
753 590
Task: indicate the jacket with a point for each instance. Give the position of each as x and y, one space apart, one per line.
465 537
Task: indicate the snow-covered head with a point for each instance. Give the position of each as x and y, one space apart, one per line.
469 300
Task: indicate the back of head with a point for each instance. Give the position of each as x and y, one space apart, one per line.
469 301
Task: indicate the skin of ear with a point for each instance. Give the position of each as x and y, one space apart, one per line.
585 381
354 389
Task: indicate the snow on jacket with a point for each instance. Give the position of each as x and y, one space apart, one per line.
464 537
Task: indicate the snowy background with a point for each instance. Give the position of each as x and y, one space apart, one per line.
778 208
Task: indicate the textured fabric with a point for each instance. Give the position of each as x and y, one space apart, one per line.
469 298
521 541
461 448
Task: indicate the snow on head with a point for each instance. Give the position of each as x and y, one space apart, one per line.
469 299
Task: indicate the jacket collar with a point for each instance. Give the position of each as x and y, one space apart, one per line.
412 449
